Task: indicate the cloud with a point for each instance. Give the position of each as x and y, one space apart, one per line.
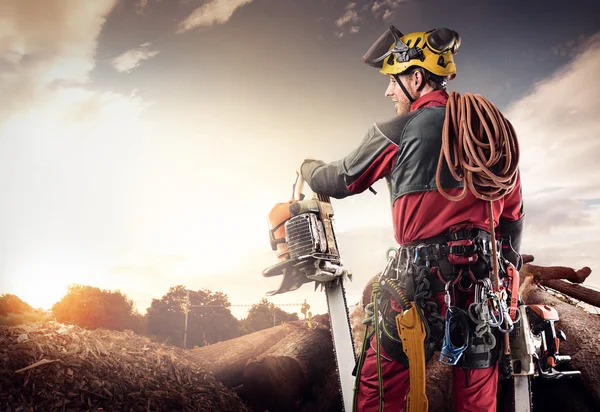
353 16
40 50
349 17
557 126
140 6
131 59
211 12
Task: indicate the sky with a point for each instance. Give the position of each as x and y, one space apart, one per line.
143 142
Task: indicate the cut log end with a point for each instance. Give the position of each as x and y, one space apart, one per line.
542 273
282 375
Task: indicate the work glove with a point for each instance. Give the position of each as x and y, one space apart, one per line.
308 166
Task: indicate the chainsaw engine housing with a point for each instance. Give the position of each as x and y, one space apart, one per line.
311 246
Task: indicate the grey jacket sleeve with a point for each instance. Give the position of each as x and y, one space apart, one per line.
356 172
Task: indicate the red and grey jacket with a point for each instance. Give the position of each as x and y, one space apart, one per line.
405 151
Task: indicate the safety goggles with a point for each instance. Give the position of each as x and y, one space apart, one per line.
380 50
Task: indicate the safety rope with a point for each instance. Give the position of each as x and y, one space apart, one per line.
480 146
371 319
375 299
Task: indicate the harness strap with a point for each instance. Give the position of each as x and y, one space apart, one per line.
513 285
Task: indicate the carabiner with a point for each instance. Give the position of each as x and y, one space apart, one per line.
391 249
450 353
387 268
447 298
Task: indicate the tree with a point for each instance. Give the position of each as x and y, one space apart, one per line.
92 308
209 318
13 304
265 314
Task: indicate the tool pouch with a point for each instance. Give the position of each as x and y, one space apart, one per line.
394 349
479 353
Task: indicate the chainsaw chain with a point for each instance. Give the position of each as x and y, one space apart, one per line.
341 281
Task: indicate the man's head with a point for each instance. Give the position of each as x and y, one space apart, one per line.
417 63
416 81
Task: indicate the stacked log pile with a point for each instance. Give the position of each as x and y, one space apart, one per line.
54 367
286 368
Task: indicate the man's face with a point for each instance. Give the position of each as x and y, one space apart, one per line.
394 92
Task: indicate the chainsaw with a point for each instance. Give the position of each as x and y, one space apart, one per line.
302 234
534 352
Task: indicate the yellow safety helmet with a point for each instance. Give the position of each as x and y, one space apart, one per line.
433 50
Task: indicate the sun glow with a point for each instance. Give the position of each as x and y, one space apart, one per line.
41 291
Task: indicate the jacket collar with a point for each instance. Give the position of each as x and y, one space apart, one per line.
435 98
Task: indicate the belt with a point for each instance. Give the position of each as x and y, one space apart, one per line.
433 252
437 247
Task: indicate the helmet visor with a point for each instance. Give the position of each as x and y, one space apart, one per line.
382 48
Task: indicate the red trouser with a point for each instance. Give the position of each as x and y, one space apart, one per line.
474 389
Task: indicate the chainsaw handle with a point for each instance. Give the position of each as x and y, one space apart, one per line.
298 185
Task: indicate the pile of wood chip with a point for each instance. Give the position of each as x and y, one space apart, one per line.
56 367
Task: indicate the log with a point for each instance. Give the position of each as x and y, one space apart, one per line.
325 397
587 295
227 360
583 345
286 375
541 273
527 258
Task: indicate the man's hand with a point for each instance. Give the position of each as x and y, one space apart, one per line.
303 171
511 255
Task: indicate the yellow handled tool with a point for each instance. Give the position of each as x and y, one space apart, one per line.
412 333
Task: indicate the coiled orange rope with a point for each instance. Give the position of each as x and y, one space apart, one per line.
480 146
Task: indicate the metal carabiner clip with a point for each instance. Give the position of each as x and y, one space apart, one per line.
450 353
389 263
447 298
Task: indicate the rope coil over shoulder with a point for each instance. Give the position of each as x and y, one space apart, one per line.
479 146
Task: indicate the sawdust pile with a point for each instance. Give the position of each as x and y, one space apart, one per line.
51 367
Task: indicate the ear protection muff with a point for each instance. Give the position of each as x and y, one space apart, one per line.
443 40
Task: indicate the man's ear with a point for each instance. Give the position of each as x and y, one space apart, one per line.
419 80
